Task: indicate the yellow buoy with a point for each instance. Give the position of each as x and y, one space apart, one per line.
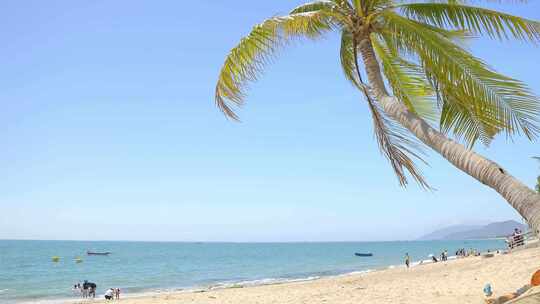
55 259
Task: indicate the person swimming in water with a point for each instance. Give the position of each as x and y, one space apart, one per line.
76 289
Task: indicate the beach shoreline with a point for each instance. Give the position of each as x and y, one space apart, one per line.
455 281
148 269
237 284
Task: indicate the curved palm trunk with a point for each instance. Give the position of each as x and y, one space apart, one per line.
519 196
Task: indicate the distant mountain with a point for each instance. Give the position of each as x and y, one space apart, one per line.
441 234
464 232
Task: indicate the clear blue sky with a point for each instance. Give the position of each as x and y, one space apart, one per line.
109 131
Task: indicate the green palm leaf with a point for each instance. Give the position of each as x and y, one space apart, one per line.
419 47
246 61
314 7
407 80
467 120
393 140
473 19
506 102
328 8
396 144
348 59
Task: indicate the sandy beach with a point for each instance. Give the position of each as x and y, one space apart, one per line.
455 281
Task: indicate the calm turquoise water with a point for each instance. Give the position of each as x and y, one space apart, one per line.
27 273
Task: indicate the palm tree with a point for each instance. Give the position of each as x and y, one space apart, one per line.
538 178
417 50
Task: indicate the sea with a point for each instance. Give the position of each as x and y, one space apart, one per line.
28 273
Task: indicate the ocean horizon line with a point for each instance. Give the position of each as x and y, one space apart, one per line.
246 242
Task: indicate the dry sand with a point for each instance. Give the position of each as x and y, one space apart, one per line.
455 281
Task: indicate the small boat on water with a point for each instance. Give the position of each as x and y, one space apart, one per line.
97 253
363 254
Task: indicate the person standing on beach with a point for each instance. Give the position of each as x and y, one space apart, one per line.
92 290
407 260
109 294
85 288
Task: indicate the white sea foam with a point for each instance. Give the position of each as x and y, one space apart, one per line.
356 272
259 282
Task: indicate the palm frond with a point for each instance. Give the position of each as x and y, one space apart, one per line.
476 1
393 141
407 80
397 146
246 61
375 5
476 20
328 8
507 102
358 6
345 5
348 59
468 121
398 49
313 7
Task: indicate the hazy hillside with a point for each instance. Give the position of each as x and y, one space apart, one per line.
463 232
442 233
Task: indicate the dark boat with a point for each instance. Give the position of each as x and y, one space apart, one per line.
363 254
97 253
